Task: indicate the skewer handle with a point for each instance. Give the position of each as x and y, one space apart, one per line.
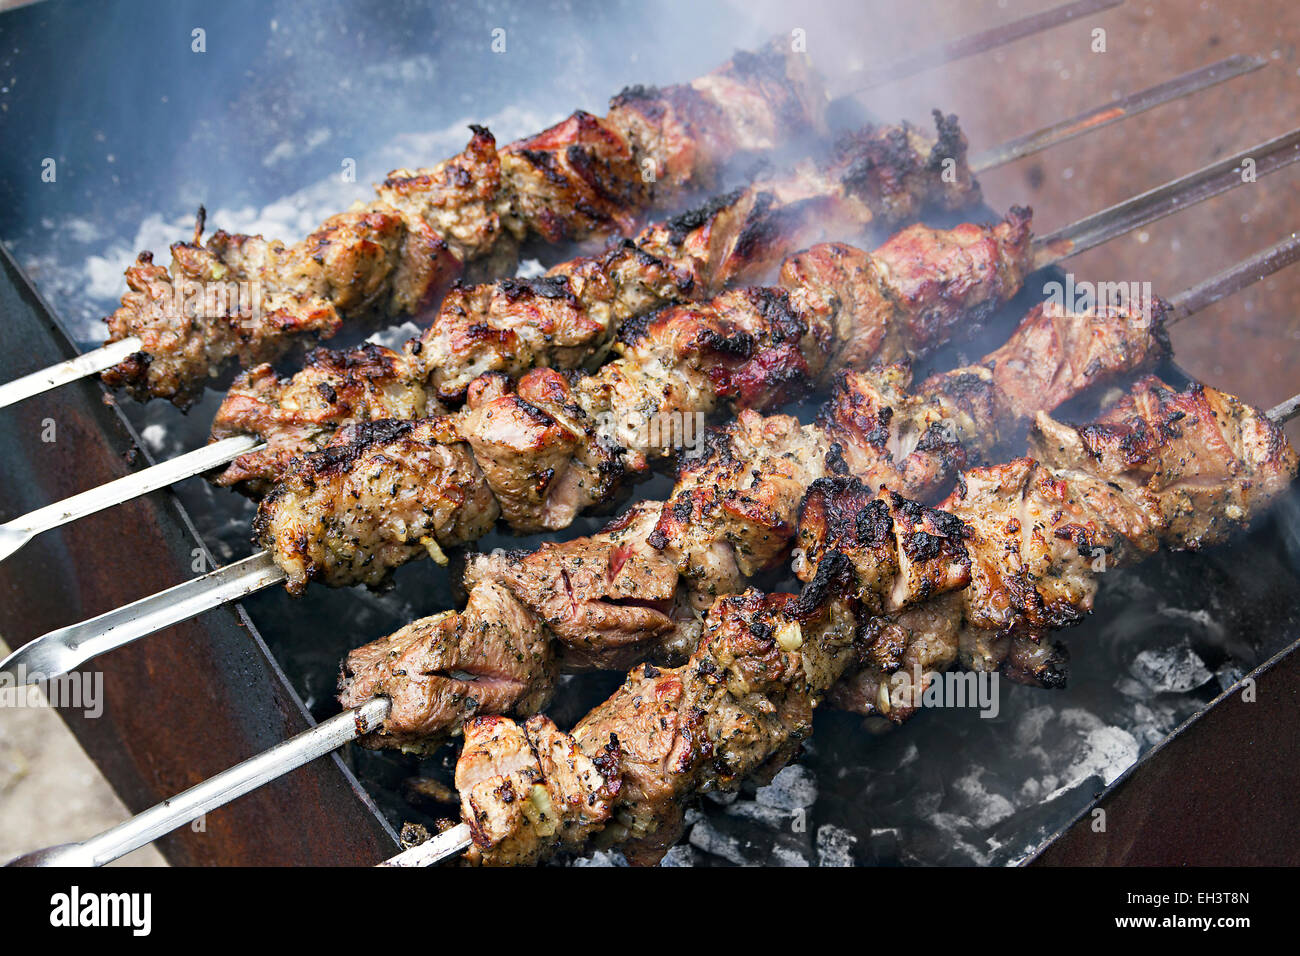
88 363
16 533
59 651
446 844
215 792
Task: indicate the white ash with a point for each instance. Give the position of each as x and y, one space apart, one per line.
683 854
834 846
792 788
1170 670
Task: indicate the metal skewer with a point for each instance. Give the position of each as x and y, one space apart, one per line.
1156 204
215 792
444 846
26 527
106 356
180 603
88 363
1131 105
16 533
972 44
280 759
66 648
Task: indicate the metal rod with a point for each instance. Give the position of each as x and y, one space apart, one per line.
1283 412
967 46
1156 204
1235 278
57 652
445 845
226 786
16 533
1116 110
88 363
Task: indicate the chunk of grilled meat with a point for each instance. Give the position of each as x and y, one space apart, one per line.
583 178
1054 355
530 790
250 299
383 494
300 414
738 708
607 598
441 670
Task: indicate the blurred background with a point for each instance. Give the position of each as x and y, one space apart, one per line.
182 127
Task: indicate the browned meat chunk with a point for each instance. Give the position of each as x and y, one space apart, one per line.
437 672
529 791
381 494
607 598
300 414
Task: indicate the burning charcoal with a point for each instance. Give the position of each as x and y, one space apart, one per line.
771 817
607 858
884 846
783 855
1228 675
984 808
834 846
722 797
793 787
1175 670
706 837
945 839
1100 748
737 841
683 854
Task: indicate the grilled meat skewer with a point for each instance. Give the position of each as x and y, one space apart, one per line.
629 592
1180 469
570 317
586 177
551 447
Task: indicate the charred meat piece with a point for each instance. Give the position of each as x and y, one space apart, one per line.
381 494
733 508
298 415
528 791
1162 467
1054 355
606 598
244 297
440 671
